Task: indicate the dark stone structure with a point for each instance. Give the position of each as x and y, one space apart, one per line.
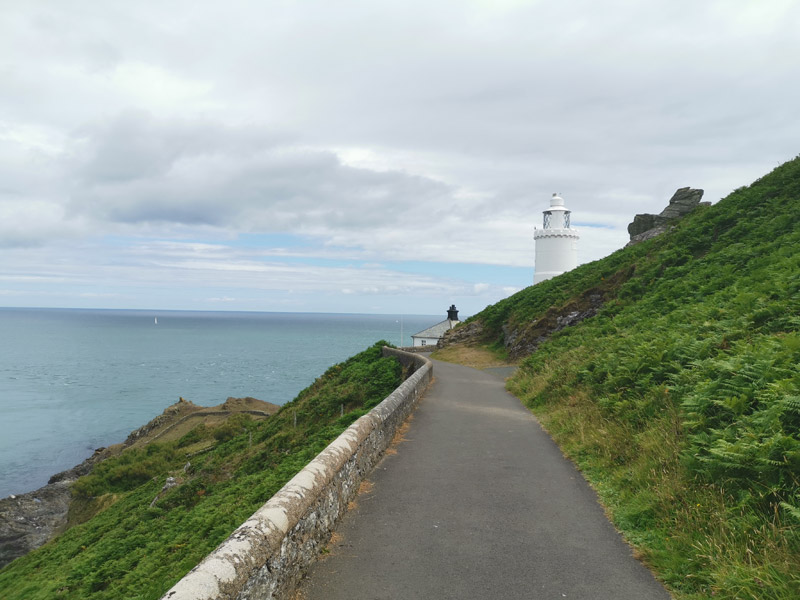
646 226
29 520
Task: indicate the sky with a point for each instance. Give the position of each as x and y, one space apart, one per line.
382 157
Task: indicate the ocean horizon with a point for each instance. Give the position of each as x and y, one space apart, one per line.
73 380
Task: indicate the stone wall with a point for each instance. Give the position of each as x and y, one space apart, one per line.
418 348
267 556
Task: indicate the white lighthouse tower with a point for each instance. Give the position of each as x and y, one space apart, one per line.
556 242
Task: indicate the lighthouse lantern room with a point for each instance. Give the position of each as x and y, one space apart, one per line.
556 242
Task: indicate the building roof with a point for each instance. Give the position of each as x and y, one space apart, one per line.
436 331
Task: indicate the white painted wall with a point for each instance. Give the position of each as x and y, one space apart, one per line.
556 253
556 243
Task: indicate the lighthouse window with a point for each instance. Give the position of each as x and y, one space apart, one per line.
547 216
566 219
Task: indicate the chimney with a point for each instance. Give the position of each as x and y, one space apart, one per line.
452 313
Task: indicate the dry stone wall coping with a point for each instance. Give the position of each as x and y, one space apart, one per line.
268 554
415 349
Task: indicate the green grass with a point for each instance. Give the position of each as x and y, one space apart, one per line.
680 399
131 550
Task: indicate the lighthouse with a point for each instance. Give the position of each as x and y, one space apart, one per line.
556 242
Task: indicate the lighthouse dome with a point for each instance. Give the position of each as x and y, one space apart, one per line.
556 201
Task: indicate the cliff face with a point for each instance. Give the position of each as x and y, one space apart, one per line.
646 226
29 520
521 337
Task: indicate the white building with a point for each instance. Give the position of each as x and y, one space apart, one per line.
556 242
432 335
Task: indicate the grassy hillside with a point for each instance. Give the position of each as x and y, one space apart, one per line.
679 395
130 548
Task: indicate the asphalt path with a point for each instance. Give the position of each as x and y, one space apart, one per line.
477 502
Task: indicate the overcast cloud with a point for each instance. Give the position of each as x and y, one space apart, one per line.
388 157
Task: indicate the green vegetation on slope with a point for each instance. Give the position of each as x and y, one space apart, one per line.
680 399
131 550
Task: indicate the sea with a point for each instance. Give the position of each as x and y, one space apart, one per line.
73 380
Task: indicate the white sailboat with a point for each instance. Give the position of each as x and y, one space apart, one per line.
156 320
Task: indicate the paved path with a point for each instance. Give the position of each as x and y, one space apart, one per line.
477 503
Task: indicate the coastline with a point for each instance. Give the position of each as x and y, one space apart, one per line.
76 380
30 519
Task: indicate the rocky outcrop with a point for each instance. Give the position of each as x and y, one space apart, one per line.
683 201
29 520
522 338
171 414
466 333
182 416
646 226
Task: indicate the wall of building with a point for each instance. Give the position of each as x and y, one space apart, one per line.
266 557
556 253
